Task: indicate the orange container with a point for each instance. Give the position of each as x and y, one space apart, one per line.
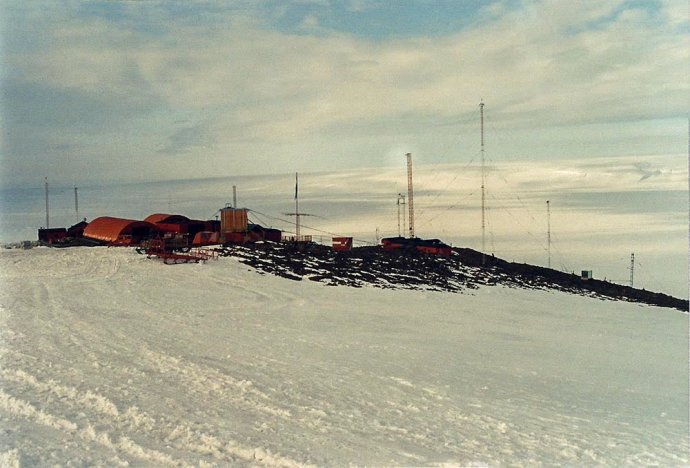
233 220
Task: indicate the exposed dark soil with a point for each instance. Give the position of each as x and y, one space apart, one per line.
411 270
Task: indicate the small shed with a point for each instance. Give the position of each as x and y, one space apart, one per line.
206 238
260 233
119 231
52 235
341 244
76 231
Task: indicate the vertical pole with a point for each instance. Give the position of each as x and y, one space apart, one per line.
632 270
399 215
548 231
410 198
297 206
404 223
47 207
401 208
76 202
234 196
481 113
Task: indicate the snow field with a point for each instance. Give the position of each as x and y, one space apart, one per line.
108 358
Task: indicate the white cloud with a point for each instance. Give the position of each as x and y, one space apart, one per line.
361 6
256 92
310 22
677 12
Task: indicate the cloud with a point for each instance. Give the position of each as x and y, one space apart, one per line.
557 78
361 6
188 138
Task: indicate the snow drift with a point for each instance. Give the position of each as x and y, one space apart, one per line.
109 358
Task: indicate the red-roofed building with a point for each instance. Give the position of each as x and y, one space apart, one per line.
119 231
179 224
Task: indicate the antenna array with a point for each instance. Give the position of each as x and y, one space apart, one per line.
297 213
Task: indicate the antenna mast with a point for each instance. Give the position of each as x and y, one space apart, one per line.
410 200
47 207
401 201
76 202
481 113
297 213
632 269
548 231
404 224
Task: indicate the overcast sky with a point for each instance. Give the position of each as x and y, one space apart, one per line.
137 90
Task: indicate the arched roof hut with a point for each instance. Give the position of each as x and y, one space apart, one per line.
119 231
162 218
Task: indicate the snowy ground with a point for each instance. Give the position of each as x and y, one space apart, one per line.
108 358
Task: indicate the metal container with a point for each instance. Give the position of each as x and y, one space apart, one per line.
233 220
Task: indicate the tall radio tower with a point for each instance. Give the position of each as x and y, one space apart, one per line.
632 270
481 113
410 201
548 228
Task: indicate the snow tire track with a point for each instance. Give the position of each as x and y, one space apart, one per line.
108 359
210 382
181 436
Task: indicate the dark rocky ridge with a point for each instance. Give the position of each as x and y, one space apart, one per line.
411 270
